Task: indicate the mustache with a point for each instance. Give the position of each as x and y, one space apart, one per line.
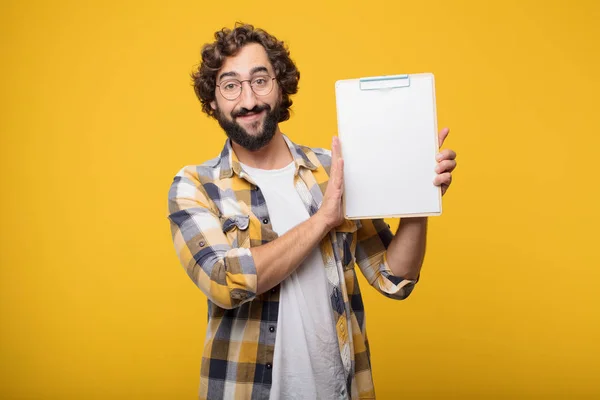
244 111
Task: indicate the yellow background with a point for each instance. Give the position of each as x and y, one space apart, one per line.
97 115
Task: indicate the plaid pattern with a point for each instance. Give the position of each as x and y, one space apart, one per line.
216 214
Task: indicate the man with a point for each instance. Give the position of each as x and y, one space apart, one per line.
260 231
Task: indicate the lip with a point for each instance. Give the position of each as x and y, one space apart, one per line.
251 117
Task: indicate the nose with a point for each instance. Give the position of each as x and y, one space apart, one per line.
247 97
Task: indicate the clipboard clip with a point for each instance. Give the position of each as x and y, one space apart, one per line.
384 82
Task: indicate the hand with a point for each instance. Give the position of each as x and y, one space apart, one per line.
331 209
446 163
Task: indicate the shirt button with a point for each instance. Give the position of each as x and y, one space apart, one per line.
265 221
201 244
271 329
273 290
269 366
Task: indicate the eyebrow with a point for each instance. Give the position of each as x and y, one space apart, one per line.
258 69
253 71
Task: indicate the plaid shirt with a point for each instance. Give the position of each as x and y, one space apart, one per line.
216 214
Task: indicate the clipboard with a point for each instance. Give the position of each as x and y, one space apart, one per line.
387 126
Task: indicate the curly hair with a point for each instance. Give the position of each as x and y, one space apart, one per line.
228 42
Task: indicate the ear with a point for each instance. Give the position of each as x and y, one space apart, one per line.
213 105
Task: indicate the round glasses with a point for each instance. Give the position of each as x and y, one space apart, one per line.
232 88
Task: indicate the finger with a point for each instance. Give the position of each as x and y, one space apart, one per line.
336 179
339 174
442 135
445 166
335 150
443 179
335 155
446 154
340 191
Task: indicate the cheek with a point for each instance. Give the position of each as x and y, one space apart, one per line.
224 108
274 99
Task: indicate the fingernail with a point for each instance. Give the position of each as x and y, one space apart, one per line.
438 156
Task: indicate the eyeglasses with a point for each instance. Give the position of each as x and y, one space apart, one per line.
232 88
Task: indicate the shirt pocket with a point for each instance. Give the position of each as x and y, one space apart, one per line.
235 227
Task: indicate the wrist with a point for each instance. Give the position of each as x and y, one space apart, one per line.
323 224
414 221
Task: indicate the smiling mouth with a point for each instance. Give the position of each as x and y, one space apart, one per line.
250 116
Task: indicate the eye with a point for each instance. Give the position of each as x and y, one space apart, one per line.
230 86
260 81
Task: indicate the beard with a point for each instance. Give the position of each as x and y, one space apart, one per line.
239 135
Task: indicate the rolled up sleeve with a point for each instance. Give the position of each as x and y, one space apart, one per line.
226 275
373 239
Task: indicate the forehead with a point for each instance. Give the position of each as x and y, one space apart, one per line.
249 57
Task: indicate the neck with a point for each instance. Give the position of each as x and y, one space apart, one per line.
274 155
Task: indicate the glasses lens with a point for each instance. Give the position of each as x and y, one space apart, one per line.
230 89
262 85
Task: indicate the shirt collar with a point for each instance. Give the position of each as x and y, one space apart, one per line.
229 163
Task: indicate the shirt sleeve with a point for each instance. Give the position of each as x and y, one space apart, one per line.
226 275
373 238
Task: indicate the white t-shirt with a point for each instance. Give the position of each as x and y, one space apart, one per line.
306 363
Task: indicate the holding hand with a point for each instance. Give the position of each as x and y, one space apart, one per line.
446 163
331 209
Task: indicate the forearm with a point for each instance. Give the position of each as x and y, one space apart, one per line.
406 252
276 260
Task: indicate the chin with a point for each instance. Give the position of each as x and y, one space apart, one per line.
255 128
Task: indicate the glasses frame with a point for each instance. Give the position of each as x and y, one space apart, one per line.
251 87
